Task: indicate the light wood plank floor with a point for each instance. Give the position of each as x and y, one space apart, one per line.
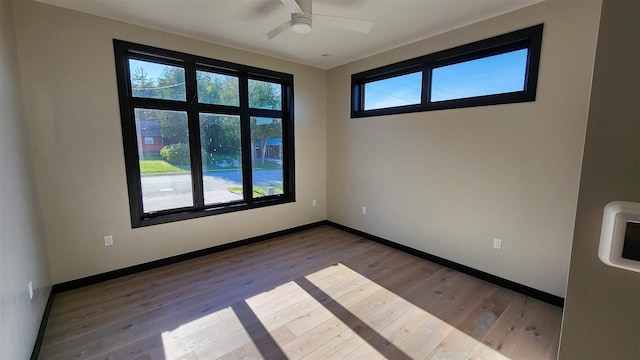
317 294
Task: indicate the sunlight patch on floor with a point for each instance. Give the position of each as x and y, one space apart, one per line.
303 323
205 332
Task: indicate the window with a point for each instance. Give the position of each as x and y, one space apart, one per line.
497 74
499 70
395 91
202 136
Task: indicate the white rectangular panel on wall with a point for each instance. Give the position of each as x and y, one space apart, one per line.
620 235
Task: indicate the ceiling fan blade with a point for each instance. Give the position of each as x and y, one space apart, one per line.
277 31
293 6
363 26
263 8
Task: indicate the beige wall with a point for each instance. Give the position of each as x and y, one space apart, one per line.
602 312
445 182
69 79
22 249
449 182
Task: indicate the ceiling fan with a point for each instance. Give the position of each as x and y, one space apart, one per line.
302 18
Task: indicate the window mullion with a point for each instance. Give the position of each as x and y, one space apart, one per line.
194 135
288 140
245 136
426 84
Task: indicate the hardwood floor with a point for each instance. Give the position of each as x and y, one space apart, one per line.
317 294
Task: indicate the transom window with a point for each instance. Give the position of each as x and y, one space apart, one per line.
499 70
202 136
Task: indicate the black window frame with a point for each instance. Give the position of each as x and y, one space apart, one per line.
529 38
123 51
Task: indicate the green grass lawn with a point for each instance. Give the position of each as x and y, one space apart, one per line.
155 167
160 167
258 191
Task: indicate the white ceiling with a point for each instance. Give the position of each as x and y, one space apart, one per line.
242 23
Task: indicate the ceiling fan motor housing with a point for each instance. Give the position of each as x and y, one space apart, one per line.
301 23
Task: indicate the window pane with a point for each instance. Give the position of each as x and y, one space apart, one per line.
165 164
221 158
217 89
266 157
392 92
490 75
265 95
157 81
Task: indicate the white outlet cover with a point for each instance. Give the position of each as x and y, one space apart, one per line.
30 289
108 240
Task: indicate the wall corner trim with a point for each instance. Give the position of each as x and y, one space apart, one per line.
35 353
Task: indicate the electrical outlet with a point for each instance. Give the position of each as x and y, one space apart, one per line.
364 210
497 244
108 240
314 203
31 290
